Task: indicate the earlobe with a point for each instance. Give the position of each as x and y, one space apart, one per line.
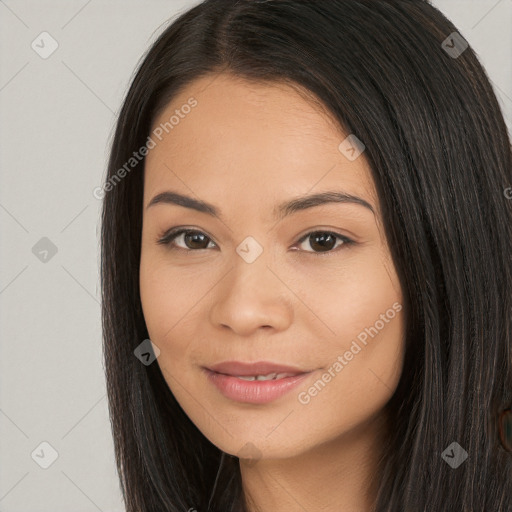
505 427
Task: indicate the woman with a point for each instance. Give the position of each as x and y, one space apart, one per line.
306 265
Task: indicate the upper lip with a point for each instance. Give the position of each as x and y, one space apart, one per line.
242 369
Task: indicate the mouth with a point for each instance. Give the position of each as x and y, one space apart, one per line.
270 376
255 383
264 369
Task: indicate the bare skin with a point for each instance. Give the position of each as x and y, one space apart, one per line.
246 148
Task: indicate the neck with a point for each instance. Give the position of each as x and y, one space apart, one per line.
339 475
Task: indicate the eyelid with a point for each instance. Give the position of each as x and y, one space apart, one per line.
346 241
170 235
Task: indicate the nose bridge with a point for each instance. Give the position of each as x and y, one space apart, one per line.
251 295
254 266
250 250
250 275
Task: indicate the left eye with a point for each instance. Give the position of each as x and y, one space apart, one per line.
324 241
320 241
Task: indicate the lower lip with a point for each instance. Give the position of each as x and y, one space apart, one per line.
255 391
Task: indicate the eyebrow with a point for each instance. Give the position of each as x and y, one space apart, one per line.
281 211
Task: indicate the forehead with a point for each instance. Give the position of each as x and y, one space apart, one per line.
262 138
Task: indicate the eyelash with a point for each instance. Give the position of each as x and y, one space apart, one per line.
169 236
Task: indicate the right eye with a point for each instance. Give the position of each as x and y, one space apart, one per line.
190 239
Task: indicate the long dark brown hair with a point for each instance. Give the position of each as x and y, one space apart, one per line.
441 160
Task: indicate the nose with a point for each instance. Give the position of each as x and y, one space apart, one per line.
250 297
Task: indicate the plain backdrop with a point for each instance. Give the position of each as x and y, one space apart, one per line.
57 116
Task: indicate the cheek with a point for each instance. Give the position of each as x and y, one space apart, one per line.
345 296
362 362
173 299
155 297
169 294
359 319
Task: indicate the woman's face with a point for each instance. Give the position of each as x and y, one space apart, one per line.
311 286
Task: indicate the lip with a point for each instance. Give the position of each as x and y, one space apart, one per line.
257 368
255 392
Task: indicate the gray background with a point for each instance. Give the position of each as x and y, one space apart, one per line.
58 116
